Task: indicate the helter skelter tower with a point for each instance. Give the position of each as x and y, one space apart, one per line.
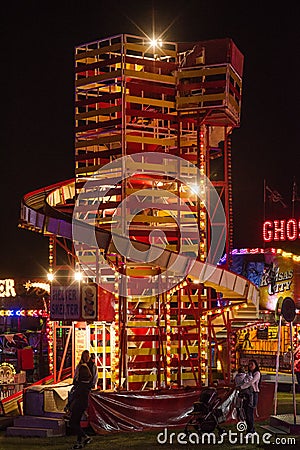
164 98
152 119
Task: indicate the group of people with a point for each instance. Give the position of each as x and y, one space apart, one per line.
86 376
249 382
85 379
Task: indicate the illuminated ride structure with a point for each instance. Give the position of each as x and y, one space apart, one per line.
133 97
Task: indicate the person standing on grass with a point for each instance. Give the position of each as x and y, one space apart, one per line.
250 407
82 381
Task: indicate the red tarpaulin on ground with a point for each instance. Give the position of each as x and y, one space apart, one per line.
155 409
140 410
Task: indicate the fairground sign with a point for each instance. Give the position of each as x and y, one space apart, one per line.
7 288
281 230
65 302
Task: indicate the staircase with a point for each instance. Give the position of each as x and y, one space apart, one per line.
240 319
35 426
285 423
43 412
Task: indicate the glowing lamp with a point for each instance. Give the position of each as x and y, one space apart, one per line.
50 276
156 42
78 276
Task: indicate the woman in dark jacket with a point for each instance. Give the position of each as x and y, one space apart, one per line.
82 382
251 404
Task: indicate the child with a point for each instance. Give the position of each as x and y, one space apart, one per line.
241 378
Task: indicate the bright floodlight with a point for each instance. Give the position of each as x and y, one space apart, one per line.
50 276
153 42
156 43
78 276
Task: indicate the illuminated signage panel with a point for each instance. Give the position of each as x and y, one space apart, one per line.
65 302
281 230
278 280
7 288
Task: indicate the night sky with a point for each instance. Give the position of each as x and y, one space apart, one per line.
37 93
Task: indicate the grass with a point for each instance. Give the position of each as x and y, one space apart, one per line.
148 440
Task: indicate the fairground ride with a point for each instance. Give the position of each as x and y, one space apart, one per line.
165 99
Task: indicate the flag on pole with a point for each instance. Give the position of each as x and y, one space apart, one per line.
274 196
295 197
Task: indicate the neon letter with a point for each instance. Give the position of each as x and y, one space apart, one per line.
279 230
268 231
291 229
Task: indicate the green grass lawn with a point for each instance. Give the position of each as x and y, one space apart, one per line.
148 440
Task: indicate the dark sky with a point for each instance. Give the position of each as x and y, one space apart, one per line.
37 89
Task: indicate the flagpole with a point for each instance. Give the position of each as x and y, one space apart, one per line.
264 244
293 198
264 199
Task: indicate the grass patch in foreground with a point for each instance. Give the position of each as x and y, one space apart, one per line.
147 441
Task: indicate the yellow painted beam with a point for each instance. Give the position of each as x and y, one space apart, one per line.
141 378
98 51
234 104
141 351
102 140
153 324
183 101
98 78
235 76
153 377
141 271
98 112
150 76
147 48
149 140
150 219
149 101
201 72
156 192
141 324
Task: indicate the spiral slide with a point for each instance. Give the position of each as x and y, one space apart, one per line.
172 100
41 213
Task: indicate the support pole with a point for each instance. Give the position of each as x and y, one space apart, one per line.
65 351
73 349
293 375
277 364
103 354
54 352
